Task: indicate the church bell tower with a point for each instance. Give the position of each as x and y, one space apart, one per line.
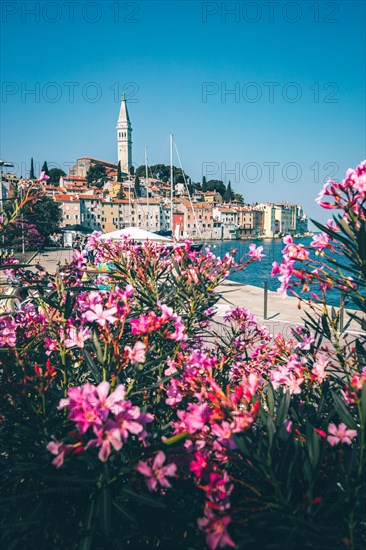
124 137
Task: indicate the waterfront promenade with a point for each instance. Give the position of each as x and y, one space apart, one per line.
282 313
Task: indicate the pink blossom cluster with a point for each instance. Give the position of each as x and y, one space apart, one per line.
9 261
255 252
31 321
340 434
147 324
105 416
156 473
210 416
349 195
105 308
8 331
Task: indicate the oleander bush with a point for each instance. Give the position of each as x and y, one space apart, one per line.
131 417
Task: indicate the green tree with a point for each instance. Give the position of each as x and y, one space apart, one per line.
178 178
97 175
215 185
238 198
132 171
119 171
137 186
121 193
45 214
55 175
45 168
162 172
204 183
31 173
229 194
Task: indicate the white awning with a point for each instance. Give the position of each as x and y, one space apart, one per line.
136 234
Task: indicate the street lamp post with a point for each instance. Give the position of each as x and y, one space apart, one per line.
9 164
5 164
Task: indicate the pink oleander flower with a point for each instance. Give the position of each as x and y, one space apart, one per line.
224 433
8 329
275 269
200 463
9 261
129 421
340 434
283 376
219 489
77 337
173 392
93 240
215 528
318 371
137 354
178 334
145 323
320 242
195 417
60 450
256 252
293 251
286 269
306 342
107 436
98 314
43 177
332 225
288 425
156 473
79 258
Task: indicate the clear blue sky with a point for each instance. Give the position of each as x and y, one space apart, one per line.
297 69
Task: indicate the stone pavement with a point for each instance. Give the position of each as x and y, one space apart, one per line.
282 313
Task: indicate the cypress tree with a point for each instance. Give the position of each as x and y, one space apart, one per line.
121 193
119 171
137 187
31 173
45 168
228 195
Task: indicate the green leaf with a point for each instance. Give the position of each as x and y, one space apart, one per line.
98 348
343 412
239 440
91 363
282 409
123 512
363 401
325 326
105 510
313 446
144 499
175 438
271 431
86 541
270 399
69 304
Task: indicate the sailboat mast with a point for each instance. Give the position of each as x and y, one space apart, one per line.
171 183
147 192
129 198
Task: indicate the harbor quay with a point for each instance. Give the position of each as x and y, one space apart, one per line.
281 316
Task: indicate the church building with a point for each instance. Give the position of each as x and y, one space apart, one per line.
124 146
124 137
